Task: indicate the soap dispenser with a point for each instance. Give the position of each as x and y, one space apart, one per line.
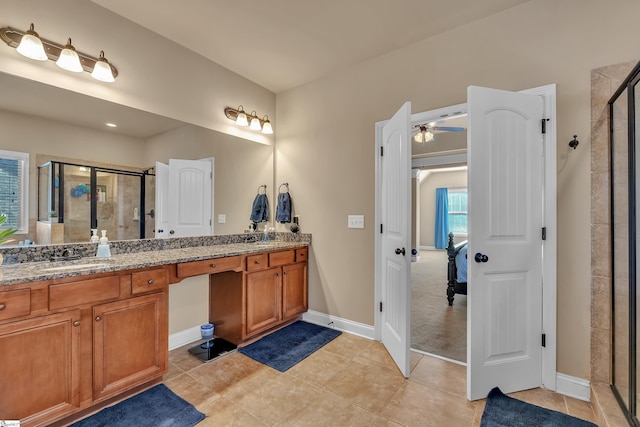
103 247
265 234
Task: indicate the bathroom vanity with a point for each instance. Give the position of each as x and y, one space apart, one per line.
78 336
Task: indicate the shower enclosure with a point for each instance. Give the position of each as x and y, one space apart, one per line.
73 199
624 109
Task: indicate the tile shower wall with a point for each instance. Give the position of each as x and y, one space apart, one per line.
604 82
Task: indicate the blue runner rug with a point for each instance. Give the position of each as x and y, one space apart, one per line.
505 411
156 407
284 348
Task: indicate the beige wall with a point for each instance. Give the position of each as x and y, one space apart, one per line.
428 185
330 123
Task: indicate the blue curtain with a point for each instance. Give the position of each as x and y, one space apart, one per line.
442 217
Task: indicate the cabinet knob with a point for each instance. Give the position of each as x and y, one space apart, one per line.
150 281
257 262
76 323
213 266
2 306
98 318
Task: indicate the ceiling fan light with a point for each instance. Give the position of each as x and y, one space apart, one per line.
102 70
31 46
266 127
241 119
69 59
255 122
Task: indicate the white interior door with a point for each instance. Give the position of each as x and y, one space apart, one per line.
395 215
184 192
505 160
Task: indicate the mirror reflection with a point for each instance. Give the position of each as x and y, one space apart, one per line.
59 127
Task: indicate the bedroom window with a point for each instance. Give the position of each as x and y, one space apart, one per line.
14 188
458 211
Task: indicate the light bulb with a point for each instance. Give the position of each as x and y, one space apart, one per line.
255 122
102 70
266 126
241 119
69 59
31 46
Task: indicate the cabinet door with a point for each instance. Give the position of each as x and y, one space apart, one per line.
294 290
263 298
129 343
39 368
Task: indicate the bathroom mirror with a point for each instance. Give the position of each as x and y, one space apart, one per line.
51 123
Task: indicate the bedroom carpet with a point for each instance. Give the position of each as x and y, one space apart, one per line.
436 328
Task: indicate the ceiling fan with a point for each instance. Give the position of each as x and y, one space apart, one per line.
425 131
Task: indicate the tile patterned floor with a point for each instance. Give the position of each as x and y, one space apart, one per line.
351 381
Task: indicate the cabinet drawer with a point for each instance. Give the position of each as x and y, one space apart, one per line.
15 303
281 258
208 266
150 280
302 254
83 292
257 262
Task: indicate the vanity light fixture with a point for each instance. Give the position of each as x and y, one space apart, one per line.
253 121
32 46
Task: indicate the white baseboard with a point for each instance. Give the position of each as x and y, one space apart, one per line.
573 387
355 328
428 248
187 336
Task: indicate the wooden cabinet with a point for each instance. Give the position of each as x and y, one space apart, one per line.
295 300
129 343
69 344
39 368
272 290
264 300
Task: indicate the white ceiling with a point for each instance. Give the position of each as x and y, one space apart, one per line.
281 44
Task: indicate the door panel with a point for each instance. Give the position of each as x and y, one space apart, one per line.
395 179
505 159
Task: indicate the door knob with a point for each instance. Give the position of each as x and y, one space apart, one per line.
481 257
400 251
172 232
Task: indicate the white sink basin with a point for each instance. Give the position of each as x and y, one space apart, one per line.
77 267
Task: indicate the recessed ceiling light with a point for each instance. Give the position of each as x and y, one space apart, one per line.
112 125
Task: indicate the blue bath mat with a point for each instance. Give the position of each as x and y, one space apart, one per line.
156 407
505 411
284 348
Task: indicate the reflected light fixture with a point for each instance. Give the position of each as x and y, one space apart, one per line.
255 122
423 136
69 59
31 45
240 117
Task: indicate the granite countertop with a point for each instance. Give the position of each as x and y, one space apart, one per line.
45 270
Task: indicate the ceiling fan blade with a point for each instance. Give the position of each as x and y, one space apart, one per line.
448 128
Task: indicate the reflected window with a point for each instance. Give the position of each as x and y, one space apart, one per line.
14 189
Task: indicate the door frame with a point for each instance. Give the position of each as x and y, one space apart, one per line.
549 262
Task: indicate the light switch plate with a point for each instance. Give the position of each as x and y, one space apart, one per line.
222 218
355 221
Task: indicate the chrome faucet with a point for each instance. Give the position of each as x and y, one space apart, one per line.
65 255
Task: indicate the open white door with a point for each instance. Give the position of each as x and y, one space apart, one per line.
505 182
395 216
184 191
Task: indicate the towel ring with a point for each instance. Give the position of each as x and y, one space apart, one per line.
263 187
285 184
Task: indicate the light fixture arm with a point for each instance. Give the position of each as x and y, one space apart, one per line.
12 38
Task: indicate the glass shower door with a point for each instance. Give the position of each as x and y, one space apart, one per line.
118 208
